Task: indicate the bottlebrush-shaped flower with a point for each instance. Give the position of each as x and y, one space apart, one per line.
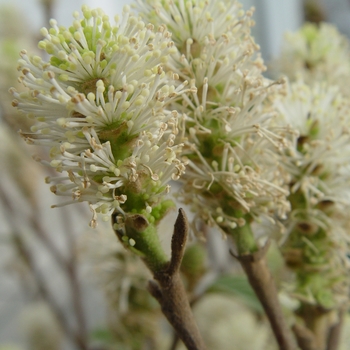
317 243
316 53
100 104
233 173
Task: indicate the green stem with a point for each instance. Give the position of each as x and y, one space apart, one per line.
253 261
141 237
244 240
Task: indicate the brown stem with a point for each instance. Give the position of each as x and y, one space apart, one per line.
48 7
305 338
175 342
78 338
335 331
169 290
261 280
317 322
176 339
46 294
71 270
319 332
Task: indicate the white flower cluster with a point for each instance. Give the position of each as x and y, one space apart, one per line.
233 171
114 268
316 53
319 163
100 104
317 240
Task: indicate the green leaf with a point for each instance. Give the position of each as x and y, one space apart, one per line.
239 287
102 335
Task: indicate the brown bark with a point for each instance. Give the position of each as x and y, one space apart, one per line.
168 289
317 322
261 280
305 338
319 331
335 331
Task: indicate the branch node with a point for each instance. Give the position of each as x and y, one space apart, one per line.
137 222
253 257
155 291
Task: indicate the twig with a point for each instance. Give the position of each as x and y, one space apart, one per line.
167 286
176 338
261 280
335 331
317 321
68 266
175 342
316 333
48 6
45 293
305 338
168 289
72 276
78 338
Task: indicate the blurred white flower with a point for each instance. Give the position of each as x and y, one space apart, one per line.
114 268
316 53
227 324
319 163
317 246
214 45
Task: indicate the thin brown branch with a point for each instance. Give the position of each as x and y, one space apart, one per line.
261 280
78 306
335 331
44 238
172 297
48 7
176 339
175 342
169 290
305 338
318 321
78 338
73 278
69 268
45 293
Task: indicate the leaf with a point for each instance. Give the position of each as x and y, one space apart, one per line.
102 335
239 287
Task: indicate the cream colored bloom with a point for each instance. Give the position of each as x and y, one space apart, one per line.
319 163
100 104
316 53
112 267
317 243
213 41
193 19
233 172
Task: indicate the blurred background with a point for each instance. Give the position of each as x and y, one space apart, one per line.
49 298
